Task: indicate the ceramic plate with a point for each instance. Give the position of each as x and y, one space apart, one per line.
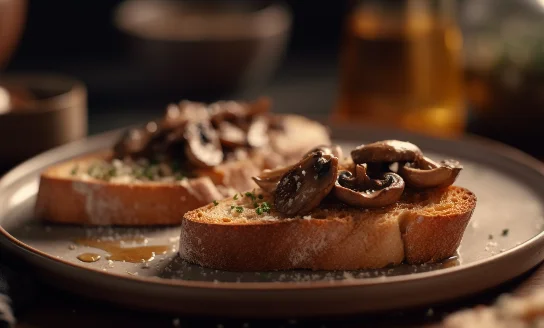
504 239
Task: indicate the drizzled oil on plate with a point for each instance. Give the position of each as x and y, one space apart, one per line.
140 266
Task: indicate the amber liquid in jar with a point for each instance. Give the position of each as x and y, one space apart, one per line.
403 72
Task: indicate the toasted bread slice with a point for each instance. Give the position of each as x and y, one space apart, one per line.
422 227
67 198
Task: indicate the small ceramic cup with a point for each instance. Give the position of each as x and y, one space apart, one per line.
40 111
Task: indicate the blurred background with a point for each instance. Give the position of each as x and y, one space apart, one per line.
440 67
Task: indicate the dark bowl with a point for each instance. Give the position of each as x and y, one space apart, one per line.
205 49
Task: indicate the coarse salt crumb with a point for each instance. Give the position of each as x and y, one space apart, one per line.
315 177
303 172
298 185
307 217
72 247
430 312
110 263
296 177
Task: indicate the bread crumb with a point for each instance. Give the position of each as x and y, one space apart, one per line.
72 247
348 276
176 322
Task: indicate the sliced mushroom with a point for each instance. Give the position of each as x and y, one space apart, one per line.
202 147
231 136
334 150
226 111
268 180
133 141
303 187
362 191
259 107
257 135
177 115
426 173
386 151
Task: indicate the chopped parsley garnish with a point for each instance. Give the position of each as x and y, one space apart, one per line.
112 172
215 203
505 232
260 196
251 195
265 207
239 209
179 176
235 197
74 170
148 172
232 207
255 205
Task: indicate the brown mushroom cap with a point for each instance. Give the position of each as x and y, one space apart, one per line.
334 150
426 173
362 191
303 187
202 147
230 135
387 151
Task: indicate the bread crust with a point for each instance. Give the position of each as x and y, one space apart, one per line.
416 230
66 199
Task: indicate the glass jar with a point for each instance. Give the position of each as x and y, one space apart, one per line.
401 67
504 70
